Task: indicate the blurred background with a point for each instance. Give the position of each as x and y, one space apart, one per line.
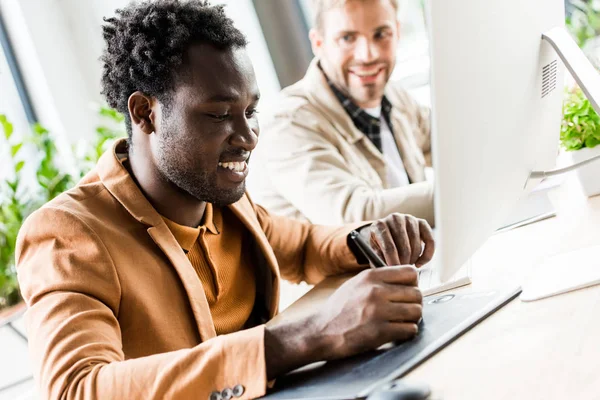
54 125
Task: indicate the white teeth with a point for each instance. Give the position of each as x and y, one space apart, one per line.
363 74
234 166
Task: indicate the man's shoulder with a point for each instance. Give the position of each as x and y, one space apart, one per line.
399 96
88 204
293 99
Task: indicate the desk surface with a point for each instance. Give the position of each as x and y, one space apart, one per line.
549 349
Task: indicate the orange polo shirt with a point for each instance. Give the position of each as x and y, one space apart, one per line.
219 254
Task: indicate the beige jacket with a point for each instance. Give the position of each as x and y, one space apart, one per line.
312 162
116 310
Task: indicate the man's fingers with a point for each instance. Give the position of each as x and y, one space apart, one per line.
382 238
398 275
414 235
403 312
404 294
399 331
427 237
401 238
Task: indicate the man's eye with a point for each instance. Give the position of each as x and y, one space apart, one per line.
381 35
348 38
219 117
251 113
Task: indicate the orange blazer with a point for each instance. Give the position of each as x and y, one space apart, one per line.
116 311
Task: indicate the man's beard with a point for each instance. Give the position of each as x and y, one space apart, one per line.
366 94
201 185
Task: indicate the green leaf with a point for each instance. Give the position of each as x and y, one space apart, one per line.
591 142
15 149
39 130
19 166
13 185
580 125
112 114
6 126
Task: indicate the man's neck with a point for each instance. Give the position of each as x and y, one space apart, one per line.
170 201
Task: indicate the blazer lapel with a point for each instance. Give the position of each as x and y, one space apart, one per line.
168 244
245 212
120 184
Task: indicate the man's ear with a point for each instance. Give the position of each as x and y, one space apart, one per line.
141 112
316 41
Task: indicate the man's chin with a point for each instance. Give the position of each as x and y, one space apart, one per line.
366 96
227 197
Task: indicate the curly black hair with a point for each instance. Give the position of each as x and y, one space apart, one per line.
146 45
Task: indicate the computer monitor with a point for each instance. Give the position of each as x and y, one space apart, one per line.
497 91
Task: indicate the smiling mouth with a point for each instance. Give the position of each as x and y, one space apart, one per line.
235 166
367 74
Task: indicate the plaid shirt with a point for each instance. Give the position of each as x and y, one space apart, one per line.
365 122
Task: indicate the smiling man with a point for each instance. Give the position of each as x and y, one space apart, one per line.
154 277
344 144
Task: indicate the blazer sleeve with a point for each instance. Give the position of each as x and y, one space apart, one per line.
307 252
309 171
72 291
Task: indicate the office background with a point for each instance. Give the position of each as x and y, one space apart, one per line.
50 73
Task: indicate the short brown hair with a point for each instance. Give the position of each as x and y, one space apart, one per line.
321 6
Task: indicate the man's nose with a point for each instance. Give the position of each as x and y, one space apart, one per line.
365 50
245 135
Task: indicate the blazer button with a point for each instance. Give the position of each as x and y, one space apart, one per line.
226 394
215 396
238 390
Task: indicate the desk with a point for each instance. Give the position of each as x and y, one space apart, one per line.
544 350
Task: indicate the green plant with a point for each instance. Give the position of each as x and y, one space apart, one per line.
12 213
18 199
111 129
50 178
581 125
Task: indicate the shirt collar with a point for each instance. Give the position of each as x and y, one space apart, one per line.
186 236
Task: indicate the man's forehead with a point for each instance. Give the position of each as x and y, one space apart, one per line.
219 73
359 14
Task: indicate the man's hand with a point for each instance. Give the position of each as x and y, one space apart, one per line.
401 239
375 307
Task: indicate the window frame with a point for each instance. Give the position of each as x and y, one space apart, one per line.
15 72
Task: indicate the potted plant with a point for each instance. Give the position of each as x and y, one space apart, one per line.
580 136
34 180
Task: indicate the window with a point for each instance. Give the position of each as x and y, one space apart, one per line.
245 19
11 98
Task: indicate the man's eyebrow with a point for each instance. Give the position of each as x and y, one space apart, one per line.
228 98
379 28
342 33
382 27
222 98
